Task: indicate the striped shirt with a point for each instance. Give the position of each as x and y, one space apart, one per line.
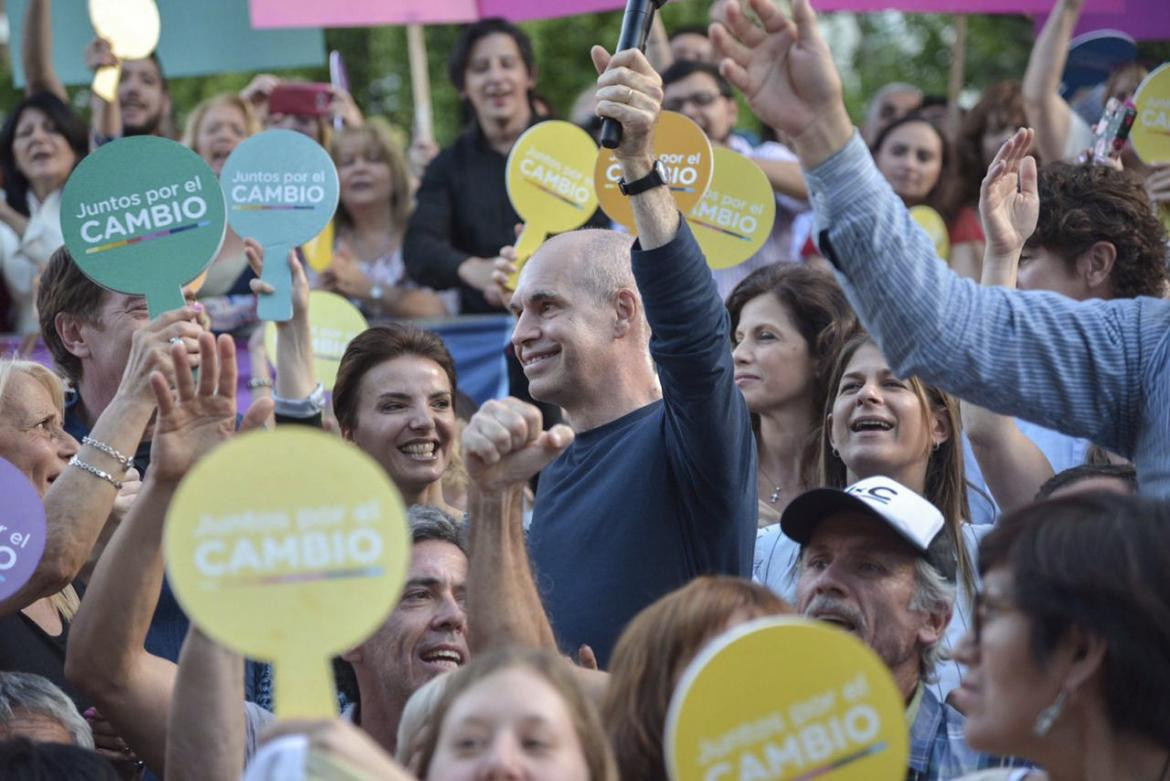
1093 369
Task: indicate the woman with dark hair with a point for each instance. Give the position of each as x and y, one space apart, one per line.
654 651
787 323
463 215
879 424
916 159
41 143
985 128
394 397
516 713
1069 654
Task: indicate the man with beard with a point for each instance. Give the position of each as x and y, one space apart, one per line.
875 560
142 105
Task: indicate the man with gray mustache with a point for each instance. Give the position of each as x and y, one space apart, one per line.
876 561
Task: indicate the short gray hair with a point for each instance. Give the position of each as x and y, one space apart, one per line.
25 694
431 523
932 593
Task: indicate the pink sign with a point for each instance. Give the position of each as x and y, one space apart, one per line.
1143 20
369 13
964 6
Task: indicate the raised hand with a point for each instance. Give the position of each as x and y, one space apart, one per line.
503 444
786 72
300 281
151 350
195 418
99 55
1009 203
629 91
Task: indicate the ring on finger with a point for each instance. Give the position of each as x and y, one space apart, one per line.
630 95
176 340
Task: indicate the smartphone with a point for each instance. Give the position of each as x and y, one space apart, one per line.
339 79
1112 130
302 100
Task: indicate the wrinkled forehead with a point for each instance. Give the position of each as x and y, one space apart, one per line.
855 532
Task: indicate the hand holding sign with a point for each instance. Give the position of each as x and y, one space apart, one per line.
132 28
22 530
143 216
333 322
684 150
281 189
830 711
549 182
299 561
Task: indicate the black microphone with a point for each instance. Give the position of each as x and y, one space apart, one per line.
635 27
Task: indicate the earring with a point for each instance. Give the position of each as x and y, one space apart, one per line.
836 454
937 445
1049 715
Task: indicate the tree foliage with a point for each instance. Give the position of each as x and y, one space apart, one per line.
877 49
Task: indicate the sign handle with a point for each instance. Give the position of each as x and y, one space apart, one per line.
955 78
276 306
529 241
420 82
105 82
166 299
303 687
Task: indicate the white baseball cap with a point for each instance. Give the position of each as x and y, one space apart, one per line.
914 518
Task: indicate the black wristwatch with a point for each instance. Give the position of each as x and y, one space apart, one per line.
656 178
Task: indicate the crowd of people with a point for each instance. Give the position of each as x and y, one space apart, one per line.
963 461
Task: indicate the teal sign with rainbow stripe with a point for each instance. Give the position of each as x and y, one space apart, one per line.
143 216
281 189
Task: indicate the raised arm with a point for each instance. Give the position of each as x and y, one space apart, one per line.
1013 466
78 504
206 729
36 51
105 115
295 375
504 447
709 430
1078 367
785 177
1047 111
106 657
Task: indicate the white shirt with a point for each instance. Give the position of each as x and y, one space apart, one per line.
23 258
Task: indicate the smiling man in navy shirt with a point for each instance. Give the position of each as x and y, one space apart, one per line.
632 342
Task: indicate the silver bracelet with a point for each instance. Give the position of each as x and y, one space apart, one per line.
109 451
93 470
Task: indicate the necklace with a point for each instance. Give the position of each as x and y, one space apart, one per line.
775 495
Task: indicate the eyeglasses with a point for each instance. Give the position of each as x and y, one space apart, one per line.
987 608
700 99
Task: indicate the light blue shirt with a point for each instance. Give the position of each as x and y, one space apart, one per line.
1093 369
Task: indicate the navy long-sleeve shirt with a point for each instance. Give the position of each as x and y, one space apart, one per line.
641 505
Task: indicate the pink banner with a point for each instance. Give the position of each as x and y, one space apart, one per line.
371 13
965 6
1144 20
